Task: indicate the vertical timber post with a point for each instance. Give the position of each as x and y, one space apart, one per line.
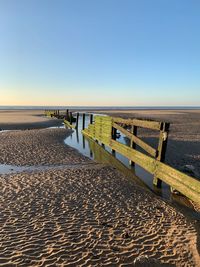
67 114
83 142
77 136
114 135
77 118
70 117
162 146
91 118
132 144
83 125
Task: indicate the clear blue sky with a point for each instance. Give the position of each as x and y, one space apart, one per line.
100 52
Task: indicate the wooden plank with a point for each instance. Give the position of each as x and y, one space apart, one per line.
154 125
183 183
67 123
100 118
103 156
188 186
88 134
49 113
139 158
183 178
103 129
152 151
103 121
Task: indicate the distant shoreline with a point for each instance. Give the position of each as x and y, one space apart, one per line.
101 107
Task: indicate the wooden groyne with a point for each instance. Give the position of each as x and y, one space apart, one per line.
104 130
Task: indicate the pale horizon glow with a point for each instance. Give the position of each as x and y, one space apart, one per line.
99 53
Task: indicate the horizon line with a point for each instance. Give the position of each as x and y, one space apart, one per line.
106 106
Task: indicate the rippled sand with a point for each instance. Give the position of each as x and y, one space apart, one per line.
86 215
89 216
37 147
25 119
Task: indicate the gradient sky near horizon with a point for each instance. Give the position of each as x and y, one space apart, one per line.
100 52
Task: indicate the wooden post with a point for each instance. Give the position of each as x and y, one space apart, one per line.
83 142
70 118
114 135
58 113
91 118
162 146
77 136
83 121
132 144
77 118
67 114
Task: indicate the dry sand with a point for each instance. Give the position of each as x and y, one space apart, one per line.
83 215
89 216
37 147
25 119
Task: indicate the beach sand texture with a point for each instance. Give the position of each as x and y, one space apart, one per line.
83 215
37 147
25 119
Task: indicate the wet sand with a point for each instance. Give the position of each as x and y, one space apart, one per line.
25 119
86 215
81 213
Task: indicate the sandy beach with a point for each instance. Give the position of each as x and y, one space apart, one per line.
78 187
25 119
82 213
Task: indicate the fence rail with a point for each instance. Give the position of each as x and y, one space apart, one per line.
104 129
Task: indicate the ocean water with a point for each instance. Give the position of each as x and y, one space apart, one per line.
100 107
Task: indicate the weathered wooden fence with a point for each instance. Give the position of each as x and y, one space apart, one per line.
104 129
71 120
67 117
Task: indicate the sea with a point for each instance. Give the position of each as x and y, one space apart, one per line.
101 107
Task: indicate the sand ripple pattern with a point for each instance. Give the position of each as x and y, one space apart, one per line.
89 216
37 147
